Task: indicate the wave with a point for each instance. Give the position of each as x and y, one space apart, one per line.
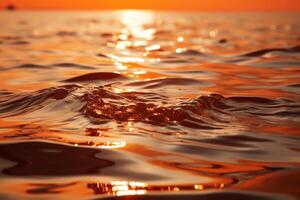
155 83
105 103
57 65
261 52
99 76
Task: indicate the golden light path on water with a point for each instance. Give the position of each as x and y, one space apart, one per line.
134 34
107 145
124 188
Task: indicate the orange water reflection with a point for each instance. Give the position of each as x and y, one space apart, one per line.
130 94
123 188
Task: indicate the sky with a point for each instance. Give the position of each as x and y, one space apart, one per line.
193 5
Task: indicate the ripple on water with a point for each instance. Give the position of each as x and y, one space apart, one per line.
209 111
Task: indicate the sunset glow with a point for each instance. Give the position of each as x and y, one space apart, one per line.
194 5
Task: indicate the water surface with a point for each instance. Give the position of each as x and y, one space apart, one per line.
155 105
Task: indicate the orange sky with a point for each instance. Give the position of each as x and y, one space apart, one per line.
204 5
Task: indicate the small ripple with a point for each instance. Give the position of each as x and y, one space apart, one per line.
99 76
295 85
262 52
58 65
73 65
162 82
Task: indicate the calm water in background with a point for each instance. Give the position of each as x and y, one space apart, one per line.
156 105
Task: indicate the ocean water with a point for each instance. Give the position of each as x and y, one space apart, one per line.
149 105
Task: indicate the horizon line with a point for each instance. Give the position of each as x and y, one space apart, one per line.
150 9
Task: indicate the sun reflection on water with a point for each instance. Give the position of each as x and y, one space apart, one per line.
121 188
135 34
113 145
104 145
124 188
134 23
